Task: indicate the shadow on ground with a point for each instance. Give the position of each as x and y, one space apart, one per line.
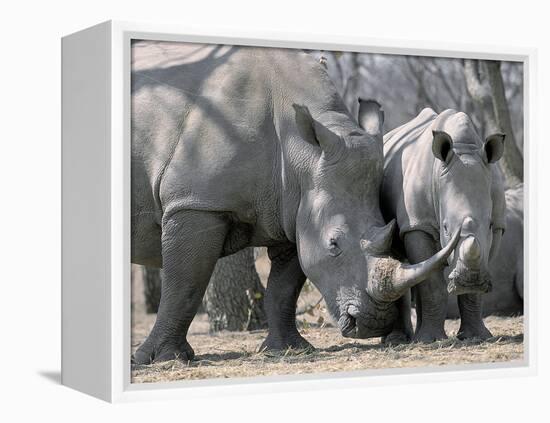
453 343
53 376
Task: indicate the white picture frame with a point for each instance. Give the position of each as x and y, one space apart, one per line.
96 226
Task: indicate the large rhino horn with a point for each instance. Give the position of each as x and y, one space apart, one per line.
408 276
389 279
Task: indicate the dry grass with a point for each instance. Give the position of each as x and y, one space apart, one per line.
234 354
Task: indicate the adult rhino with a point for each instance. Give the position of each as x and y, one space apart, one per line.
439 178
506 269
235 147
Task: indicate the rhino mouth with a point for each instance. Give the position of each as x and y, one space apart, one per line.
348 324
349 329
462 280
374 323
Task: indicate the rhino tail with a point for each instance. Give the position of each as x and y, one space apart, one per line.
371 117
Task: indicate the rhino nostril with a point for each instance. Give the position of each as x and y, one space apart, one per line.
468 226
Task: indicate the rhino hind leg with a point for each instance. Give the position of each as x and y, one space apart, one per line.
192 242
471 320
285 282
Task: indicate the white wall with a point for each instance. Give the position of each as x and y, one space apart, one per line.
30 206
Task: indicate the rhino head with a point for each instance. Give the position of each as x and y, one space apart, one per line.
467 199
342 239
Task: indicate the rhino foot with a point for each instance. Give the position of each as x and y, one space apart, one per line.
294 343
428 335
396 337
474 332
150 353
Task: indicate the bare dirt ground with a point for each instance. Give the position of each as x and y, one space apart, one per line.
235 354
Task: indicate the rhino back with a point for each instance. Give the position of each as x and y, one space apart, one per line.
209 124
408 164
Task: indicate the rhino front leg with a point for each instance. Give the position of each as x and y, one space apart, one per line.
285 282
191 244
431 295
402 331
471 321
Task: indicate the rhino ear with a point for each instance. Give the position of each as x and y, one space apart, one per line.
371 117
380 240
316 133
494 147
442 146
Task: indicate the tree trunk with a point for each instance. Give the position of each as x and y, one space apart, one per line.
234 297
151 288
485 85
512 162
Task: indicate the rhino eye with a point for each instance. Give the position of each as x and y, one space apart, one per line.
333 249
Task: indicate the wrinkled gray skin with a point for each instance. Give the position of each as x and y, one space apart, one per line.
506 269
236 147
440 177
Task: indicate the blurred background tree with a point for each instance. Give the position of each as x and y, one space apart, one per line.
490 92
233 299
151 288
486 87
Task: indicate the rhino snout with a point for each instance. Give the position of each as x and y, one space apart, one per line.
468 274
470 253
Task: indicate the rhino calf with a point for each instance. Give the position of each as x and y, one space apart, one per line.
439 178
